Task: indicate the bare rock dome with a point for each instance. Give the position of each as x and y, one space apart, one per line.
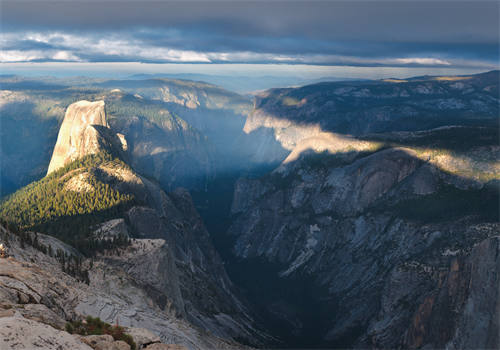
79 134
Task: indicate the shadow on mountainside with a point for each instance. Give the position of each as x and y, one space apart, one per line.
26 144
300 308
360 108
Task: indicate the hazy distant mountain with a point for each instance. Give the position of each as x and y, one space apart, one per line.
244 84
174 128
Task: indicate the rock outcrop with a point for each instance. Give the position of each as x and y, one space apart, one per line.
38 298
363 108
170 271
17 332
103 342
373 178
376 229
390 248
79 133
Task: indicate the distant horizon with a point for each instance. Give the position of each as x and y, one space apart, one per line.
128 69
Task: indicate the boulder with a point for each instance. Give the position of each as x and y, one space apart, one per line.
41 313
95 340
113 345
142 337
17 332
118 345
166 347
103 342
7 313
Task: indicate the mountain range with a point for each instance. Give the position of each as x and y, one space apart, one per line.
347 214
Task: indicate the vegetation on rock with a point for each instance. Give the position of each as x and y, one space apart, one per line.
95 326
47 206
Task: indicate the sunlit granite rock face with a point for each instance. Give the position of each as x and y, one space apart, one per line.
171 272
38 297
78 135
305 116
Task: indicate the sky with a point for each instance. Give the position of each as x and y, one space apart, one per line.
260 37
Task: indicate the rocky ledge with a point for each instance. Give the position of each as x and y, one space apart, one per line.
38 299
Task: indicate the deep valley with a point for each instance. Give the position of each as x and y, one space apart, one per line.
346 214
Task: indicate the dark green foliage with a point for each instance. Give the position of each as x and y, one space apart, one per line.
283 181
95 326
309 300
70 264
449 203
327 160
46 206
130 106
453 139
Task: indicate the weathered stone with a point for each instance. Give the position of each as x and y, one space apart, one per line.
120 345
128 287
7 313
78 135
95 340
111 345
478 325
112 229
103 342
387 277
166 347
20 333
142 337
41 313
105 345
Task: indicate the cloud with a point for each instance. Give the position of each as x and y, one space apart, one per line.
403 21
126 47
65 56
20 56
9 56
355 33
422 60
90 48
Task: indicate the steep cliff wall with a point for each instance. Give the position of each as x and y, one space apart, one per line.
78 135
362 108
181 273
38 297
378 247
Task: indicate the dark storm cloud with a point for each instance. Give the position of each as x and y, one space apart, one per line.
27 45
395 29
398 20
197 40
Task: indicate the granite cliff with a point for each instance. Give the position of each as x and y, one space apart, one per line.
170 271
295 115
175 129
367 216
378 226
39 297
79 133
